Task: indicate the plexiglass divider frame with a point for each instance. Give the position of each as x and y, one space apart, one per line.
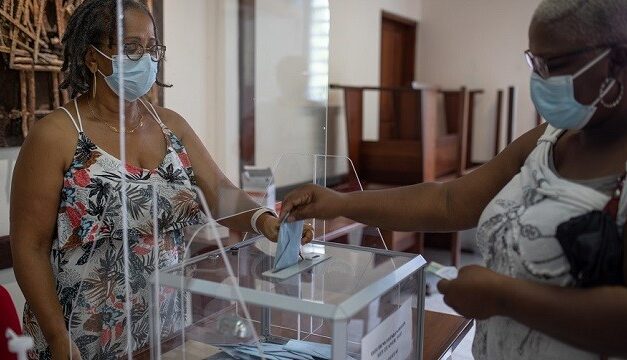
123 304
163 224
319 304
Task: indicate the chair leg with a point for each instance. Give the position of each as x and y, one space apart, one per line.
456 249
419 243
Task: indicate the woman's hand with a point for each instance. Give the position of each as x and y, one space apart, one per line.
476 293
269 226
62 350
312 201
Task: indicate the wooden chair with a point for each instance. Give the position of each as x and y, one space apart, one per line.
456 106
410 149
470 163
498 121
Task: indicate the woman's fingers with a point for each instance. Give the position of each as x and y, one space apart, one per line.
301 213
294 201
308 234
443 286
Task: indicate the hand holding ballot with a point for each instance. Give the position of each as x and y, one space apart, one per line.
270 227
312 201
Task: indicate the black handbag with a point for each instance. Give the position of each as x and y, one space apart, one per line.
593 245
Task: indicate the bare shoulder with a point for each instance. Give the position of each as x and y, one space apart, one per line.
53 138
524 145
174 121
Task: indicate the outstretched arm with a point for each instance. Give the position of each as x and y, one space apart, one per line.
230 205
449 206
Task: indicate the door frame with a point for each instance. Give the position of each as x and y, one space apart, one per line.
389 103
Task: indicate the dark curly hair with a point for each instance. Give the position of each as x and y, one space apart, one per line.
92 22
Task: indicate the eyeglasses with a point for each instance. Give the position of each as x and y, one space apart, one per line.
540 65
134 51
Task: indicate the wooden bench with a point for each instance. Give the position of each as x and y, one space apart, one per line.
411 148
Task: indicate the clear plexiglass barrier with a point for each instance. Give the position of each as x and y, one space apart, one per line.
163 264
198 290
339 301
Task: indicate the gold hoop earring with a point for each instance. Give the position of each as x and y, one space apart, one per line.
93 88
607 84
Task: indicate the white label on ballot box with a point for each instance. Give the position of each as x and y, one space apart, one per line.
392 339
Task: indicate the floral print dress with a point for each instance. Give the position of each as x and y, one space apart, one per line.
88 253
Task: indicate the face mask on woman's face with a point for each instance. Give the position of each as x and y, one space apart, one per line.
554 98
139 76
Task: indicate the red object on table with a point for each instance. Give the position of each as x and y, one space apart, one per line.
8 319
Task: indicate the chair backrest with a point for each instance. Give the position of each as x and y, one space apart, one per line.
511 113
456 108
472 98
412 150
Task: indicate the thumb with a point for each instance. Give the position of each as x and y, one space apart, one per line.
443 286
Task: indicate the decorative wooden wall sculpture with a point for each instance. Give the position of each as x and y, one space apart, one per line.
31 56
31 59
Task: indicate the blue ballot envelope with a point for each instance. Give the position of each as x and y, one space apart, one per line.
288 245
293 350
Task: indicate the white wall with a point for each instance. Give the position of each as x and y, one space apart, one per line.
355 56
201 63
188 64
286 120
478 44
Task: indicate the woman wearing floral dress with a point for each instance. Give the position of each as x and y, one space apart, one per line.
66 200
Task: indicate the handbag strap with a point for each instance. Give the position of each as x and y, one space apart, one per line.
612 206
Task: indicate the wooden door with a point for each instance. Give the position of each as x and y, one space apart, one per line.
398 54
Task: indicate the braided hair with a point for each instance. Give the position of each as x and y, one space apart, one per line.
94 21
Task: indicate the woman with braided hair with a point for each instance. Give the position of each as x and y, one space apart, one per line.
67 195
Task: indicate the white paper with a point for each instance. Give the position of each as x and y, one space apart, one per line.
441 271
392 339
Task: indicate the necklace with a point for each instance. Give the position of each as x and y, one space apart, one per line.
113 128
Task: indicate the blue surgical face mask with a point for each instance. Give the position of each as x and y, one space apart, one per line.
554 98
139 76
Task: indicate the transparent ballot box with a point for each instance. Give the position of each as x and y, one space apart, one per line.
344 301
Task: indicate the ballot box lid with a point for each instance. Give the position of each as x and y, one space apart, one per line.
349 278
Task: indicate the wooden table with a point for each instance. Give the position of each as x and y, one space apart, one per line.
443 332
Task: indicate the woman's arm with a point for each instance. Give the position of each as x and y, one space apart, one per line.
449 206
591 319
226 201
35 189
223 197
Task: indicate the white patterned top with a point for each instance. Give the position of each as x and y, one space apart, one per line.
516 236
